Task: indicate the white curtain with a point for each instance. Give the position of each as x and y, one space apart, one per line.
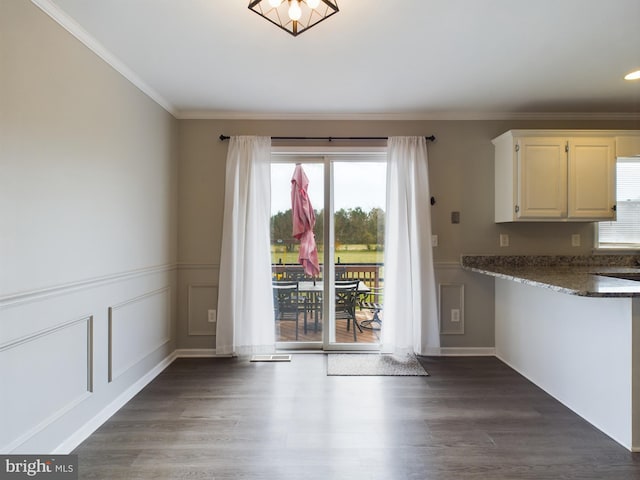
410 309
245 302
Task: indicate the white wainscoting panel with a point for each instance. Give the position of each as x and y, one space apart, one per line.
137 327
201 298
43 375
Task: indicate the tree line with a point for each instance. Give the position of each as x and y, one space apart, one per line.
352 226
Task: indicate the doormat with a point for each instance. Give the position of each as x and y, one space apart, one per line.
271 358
362 364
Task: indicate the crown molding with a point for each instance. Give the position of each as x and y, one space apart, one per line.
227 115
71 26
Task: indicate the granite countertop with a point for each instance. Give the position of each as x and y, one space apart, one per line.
574 275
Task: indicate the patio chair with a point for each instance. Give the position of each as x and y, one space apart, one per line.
373 303
287 303
346 302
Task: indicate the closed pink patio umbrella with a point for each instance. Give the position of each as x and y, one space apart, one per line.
304 219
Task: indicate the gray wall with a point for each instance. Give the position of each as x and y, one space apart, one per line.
88 242
461 176
111 221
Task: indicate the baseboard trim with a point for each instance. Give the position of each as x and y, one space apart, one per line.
92 425
442 351
200 353
463 352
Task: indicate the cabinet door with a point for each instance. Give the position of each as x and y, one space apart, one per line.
628 146
592 178
542 178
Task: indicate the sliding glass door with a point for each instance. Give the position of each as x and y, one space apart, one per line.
340 306
298 294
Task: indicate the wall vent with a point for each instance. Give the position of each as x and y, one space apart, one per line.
271 358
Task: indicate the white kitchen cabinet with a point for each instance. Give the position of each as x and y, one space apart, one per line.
592 178
554 175
628 145
542 174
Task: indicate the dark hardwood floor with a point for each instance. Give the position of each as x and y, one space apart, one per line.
473 418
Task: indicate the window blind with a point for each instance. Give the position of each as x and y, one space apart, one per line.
625 231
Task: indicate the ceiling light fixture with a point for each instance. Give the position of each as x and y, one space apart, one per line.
633 75
294 16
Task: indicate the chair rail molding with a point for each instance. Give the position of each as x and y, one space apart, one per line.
15 299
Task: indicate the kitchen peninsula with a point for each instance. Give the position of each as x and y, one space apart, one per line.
572 327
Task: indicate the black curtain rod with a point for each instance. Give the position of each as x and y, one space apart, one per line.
430 138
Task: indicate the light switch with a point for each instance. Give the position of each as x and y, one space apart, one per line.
212 316
434 240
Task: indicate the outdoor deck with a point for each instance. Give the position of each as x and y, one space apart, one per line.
369 274
286 332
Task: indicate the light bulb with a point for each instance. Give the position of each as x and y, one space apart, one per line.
313 3
295 12
633 75
275 3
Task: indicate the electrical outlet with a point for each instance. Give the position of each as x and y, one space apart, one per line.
575 240
212 316
504 240
455 315
434 240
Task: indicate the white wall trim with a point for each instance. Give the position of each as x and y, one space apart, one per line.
462 352
200 353
45 423
166 291
70 25
218 115
442 351
73 402
14 299
93 424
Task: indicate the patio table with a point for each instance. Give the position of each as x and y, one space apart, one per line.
313 289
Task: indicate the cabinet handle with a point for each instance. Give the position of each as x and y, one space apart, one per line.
517 209
614 208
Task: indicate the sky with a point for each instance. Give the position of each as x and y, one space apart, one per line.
356 184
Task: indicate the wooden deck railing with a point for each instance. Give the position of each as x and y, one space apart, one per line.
369 273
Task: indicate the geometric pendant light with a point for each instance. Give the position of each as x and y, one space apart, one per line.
294 16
